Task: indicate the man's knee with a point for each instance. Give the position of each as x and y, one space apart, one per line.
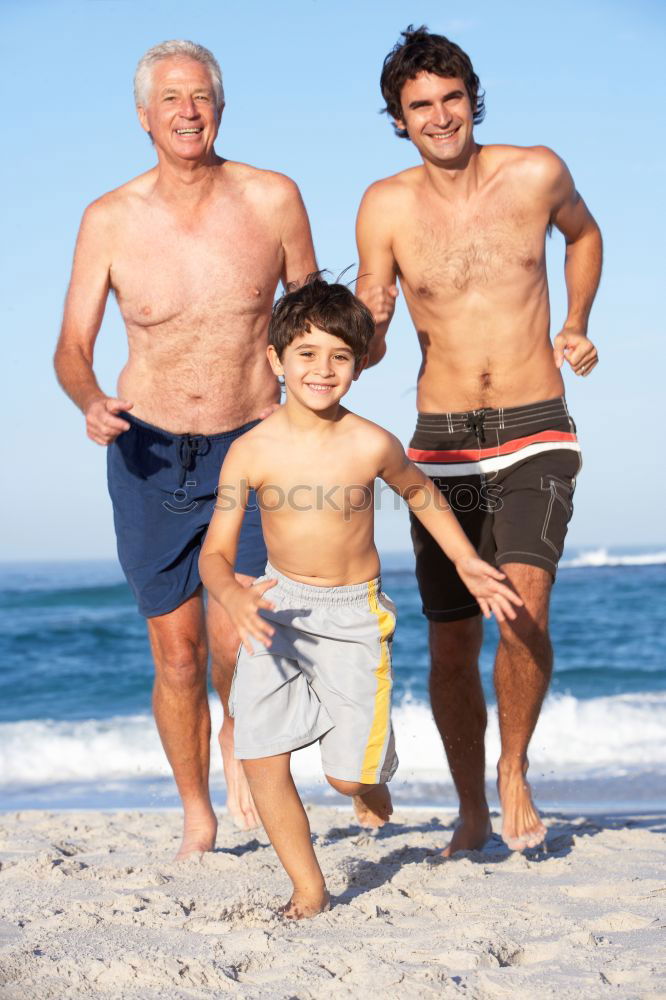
455 646
525 632
182 667
348 787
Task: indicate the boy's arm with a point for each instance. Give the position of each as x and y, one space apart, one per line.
218 553
428 504
376 284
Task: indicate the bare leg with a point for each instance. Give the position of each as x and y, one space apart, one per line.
287 826
523 668
180 704
459 708
372 803
224 643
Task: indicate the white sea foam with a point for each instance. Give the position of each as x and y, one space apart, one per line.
574 739
602 557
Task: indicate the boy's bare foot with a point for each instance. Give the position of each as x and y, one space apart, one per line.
239 799
470 834
374 807
303 905
521 823
199 832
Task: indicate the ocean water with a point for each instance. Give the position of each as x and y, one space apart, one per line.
76 675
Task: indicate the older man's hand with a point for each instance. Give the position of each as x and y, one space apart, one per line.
103 425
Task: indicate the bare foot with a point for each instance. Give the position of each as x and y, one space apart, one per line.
374 807
470 834
239 800
199 832
521 823
303 905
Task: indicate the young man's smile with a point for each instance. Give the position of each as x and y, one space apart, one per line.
438 115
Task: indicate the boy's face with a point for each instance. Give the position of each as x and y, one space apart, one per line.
318 368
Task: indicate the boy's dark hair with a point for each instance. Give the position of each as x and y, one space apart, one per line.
330 307
419 52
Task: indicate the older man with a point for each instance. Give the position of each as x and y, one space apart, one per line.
193 250
465 232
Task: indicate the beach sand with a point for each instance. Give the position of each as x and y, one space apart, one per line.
92 905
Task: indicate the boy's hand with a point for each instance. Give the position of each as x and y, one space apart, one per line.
482 581
243 605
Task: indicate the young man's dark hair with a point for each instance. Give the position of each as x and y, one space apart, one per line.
330 307
423 52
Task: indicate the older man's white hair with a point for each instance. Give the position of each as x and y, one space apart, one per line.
166 50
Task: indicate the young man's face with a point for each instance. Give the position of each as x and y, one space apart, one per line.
181 113
438 116
318 368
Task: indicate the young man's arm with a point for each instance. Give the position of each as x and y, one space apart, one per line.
218 552
428 504
582 266
376 284
84 310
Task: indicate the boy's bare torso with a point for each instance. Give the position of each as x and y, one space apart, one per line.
316 493
473 271
195 286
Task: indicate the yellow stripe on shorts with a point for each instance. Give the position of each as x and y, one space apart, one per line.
371 769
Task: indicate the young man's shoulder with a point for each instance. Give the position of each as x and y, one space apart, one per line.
538 165
388 189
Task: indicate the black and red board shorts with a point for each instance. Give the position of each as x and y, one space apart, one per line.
509 475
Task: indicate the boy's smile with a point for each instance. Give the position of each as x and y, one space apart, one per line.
318 369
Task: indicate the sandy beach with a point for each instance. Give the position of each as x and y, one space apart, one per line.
91 904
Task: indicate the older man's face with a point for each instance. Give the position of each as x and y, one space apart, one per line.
181 113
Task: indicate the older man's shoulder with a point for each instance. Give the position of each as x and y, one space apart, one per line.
124 197
267 186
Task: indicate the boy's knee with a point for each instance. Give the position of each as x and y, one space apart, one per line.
348 787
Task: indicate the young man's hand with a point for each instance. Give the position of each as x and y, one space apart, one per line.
482 581
574 346
243 605
380 300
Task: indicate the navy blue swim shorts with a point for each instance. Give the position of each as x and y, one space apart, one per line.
162 487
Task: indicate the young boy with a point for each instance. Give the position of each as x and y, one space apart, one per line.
323 670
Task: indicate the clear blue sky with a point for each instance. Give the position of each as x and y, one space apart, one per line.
301 81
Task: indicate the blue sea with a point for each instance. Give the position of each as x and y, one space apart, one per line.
75 687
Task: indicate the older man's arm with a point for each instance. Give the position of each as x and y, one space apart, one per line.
295 235
84 311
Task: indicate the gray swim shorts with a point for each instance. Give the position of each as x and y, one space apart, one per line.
326 676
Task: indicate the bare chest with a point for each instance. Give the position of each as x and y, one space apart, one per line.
165 267
449 252
305 484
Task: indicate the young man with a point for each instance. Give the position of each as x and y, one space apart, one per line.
325 671
193 251
465 233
